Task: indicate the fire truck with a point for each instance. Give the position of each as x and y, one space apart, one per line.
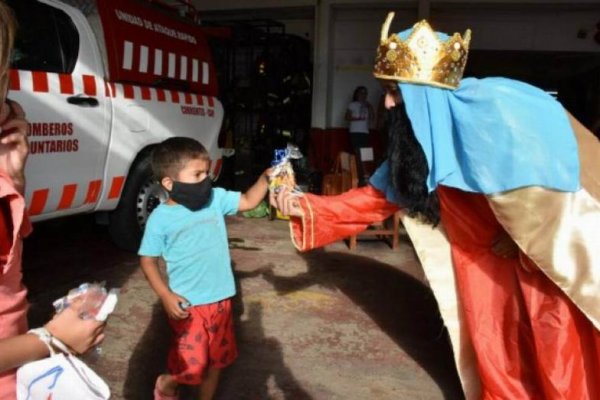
101 84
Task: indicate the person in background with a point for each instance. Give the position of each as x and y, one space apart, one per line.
502 187
360 116
17 347
188 231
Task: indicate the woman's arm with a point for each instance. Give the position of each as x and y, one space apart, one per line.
79 335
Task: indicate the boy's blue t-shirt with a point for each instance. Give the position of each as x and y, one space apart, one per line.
194 247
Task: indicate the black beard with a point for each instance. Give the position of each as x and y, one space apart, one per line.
409 169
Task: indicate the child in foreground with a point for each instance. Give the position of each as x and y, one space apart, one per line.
188 231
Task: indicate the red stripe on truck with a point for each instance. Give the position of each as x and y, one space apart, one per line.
93 192
128 91
40 82
68 195
146 93
89 85
115 187
38 201
66 84
15 81
160 95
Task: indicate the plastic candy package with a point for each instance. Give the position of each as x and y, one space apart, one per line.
97 302
283 172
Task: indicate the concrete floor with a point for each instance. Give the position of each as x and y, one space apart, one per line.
330 324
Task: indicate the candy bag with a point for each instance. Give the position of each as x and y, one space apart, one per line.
97 302
282 174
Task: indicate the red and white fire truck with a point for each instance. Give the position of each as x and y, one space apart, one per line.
101 84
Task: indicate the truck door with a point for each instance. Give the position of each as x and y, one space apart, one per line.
57 77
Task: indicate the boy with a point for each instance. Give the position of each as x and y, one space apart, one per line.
188 231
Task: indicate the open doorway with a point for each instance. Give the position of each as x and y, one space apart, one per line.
574 78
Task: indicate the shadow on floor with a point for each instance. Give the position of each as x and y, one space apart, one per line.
403 307
62 253
260 358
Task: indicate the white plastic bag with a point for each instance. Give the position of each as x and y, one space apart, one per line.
60 377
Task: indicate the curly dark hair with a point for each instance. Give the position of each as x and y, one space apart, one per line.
409 169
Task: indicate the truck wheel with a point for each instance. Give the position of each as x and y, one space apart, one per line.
141 195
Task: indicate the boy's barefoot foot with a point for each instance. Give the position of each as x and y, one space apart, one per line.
165 388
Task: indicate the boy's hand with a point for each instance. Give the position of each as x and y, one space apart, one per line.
286 202
172 303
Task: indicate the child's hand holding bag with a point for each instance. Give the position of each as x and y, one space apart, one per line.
63 375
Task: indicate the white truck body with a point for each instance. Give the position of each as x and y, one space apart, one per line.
87 131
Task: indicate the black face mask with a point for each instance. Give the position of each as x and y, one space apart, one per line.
192 196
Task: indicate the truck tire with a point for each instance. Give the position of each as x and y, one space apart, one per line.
141 195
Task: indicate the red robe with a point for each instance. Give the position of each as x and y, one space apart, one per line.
529 340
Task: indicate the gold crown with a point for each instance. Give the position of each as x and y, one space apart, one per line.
422 58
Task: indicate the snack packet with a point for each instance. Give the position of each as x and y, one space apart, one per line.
97 302
283 172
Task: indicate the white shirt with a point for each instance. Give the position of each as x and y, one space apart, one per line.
359 110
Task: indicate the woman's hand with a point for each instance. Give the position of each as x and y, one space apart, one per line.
78 334
503 246
286 202
13 143
172 303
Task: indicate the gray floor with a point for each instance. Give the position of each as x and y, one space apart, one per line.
330 324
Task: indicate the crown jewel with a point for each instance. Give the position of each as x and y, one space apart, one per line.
421 58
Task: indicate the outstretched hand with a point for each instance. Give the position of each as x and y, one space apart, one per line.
13 143
286 202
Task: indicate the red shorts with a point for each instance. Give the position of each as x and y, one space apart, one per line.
205 339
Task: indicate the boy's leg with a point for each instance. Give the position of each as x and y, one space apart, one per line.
209 384
221 345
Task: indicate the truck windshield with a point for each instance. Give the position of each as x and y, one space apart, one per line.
47 40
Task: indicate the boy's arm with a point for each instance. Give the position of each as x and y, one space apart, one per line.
171 301
253 196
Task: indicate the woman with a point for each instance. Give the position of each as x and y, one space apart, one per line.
360 116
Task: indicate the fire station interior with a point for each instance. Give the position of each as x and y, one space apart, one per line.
335 322
569 75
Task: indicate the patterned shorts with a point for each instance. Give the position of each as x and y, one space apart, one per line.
205 339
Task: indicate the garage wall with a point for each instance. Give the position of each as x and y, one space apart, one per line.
551 29
355 34
345 34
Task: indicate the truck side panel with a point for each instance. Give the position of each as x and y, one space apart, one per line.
146 47
87 131
144 116
64 100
